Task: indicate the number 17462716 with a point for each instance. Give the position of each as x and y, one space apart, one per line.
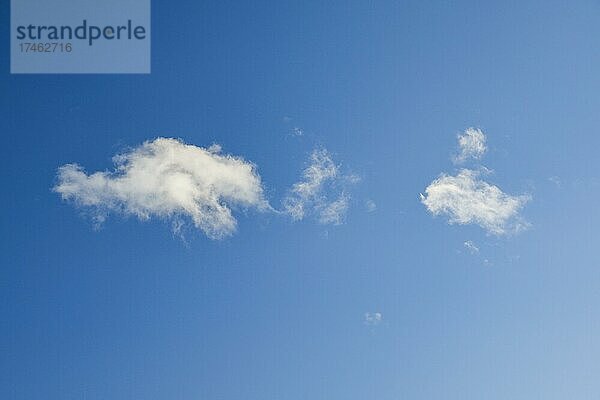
54 47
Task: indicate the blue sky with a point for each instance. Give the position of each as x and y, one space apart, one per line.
276 310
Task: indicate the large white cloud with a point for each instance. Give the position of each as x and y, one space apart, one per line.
169 179
321 180
471 144
466 199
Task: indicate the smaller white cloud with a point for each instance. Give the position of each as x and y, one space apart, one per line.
466 199
373 318
472 144
370 206
469 245
296 131
321 180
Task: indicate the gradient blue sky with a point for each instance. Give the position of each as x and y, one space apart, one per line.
131 311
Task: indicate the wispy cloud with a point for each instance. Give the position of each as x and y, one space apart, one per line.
471 144
321 181
469 245
373 318
556 181
370 206
465 198
169 179
334 212
295 130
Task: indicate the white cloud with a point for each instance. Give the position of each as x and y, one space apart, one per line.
471 144
169 179
469 245
370 206
556 180
334 212
321 180
466 199
373 318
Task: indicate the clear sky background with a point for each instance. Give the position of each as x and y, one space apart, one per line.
277 311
